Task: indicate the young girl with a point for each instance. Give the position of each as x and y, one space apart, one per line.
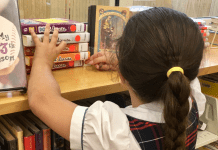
159 55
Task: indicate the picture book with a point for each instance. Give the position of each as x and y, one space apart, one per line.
70 48
106 25
67 37
63 25
12 61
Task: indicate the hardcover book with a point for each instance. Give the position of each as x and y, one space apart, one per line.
106 25
70 48
33 129
12 60
28 137
57 142
7 141
68 57
46 130
62 65
63 25
13 128
67 37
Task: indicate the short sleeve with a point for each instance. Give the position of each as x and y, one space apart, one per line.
198 95
105 127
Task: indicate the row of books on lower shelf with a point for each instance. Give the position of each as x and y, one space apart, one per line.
24 131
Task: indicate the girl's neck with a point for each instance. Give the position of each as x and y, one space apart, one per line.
135 100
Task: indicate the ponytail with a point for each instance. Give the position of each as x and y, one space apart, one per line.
176 109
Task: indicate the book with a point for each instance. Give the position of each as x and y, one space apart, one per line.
14 129
46 130
106 25
67 37
7 141
57 142
68 57
66 145
70 48
33 129
62 65
12 62
212 146
63 25
28 137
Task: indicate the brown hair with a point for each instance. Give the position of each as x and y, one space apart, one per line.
154 41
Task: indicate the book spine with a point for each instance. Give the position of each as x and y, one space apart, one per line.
70 48
29 143
62 65
47 139
91 27
66 145
12 145
57 142
39 140
68 57
67 37
62 28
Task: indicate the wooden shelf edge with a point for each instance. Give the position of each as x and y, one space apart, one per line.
20 103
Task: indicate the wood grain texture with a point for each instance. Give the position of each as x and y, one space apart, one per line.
76 83
193 8
214 8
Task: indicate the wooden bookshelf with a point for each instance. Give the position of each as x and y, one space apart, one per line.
86 82
76 83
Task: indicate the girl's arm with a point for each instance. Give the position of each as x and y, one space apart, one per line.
44 93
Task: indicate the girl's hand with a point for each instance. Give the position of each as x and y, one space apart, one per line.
46 52
104 61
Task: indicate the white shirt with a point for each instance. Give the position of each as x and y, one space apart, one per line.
104 126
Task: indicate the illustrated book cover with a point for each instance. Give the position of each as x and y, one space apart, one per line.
106 25
12 60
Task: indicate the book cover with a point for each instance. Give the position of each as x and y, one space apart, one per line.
7 141
46 130
28 137
106 25
61 65
68 57
57 142
33 129
70 48
63 25
67 37
14 129
12 60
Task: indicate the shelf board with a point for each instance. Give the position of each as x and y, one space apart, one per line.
75 83
204 138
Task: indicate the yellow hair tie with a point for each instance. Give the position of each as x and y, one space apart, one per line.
174 69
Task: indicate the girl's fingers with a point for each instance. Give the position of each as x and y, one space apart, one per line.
46 34
61 46
35 37
54 37
96 56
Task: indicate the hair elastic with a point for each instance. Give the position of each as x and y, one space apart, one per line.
173 70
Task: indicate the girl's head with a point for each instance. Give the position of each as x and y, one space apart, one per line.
153 42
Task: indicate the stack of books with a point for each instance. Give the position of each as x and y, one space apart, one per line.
73 33
205 30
